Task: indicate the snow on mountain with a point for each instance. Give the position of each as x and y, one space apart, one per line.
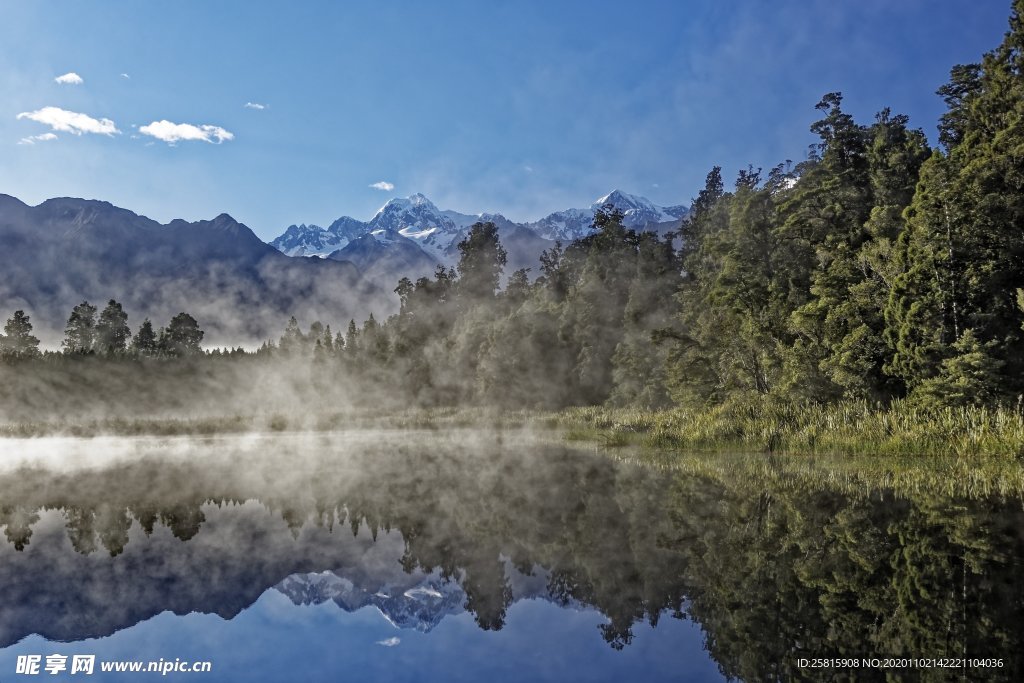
419 600
300 240
417 218
437 232
639 213
312 240
420 604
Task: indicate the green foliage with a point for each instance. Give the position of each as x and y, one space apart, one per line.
963 246
873 271
969 378
112 331
759 424
80 331
18 340
182 336
481 260
292 341
145 341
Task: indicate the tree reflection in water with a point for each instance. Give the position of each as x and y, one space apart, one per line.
771 570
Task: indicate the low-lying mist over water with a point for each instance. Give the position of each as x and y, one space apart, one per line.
427 527
772 433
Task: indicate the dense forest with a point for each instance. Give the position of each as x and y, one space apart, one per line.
876 269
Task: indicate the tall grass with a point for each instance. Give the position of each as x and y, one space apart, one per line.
849 428
748 426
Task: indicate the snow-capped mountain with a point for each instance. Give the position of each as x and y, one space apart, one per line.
312 240
419 604
437 232
417 218
417 601
640 213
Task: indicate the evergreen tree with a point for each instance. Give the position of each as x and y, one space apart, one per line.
327 339
692 368
972 377
857 360
351 340
825 217
18 340
638 365
112 331
80 331
481 261
145 341
316 332
964 245
593 311
292 341
183 336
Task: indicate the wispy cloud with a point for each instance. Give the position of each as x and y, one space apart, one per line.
70 122
390 642
173 132
125 76
254 105
383 185
33 139
70 78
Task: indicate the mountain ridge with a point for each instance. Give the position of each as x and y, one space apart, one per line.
242 290
436 230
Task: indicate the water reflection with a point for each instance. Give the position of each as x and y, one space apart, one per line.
425 527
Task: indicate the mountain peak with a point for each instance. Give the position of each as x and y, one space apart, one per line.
414 202
623 200
437 232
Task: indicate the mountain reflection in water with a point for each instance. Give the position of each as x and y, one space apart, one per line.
425 526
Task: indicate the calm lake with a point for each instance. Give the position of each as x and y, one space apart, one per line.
470 556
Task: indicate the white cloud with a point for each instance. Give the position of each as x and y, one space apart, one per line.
173 132
70 122
254 105
390 642
383 185
125 76
70 78
33 139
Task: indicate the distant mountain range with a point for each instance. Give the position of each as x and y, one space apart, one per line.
242 290
417 601
413 236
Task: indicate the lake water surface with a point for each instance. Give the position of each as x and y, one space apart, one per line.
468 556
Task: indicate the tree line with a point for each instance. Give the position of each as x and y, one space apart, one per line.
876 269
105 334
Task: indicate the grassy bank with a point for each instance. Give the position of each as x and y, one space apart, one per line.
838 429
756 427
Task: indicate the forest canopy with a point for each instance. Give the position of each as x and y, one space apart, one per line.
877 268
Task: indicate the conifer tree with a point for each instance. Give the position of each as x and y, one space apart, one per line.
182 336
80 331
18 340
963 248
145 341
112 331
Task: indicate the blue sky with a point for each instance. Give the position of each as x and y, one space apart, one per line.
521 108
